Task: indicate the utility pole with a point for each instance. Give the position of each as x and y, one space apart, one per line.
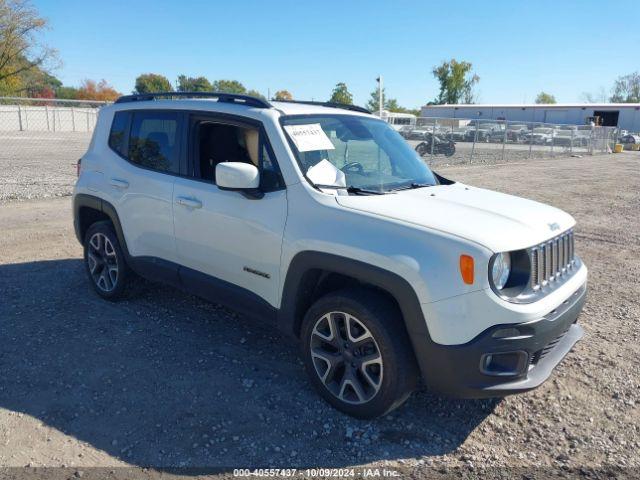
380 99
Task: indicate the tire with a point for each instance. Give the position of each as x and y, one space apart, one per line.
422 149
450 150
377 356
104 261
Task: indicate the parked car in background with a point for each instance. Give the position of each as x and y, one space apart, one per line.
566 137
419 133
497 134
517 133
585 133
405 131
541 136
482 133
630 138
458 134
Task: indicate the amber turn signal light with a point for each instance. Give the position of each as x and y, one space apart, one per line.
466 269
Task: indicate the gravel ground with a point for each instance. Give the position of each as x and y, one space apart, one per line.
165 379
39 164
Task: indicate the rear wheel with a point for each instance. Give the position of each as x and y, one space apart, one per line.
104 261
357 353
450 150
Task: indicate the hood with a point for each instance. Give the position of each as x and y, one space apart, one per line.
495 220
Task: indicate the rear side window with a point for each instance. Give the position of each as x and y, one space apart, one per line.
154 140
118 133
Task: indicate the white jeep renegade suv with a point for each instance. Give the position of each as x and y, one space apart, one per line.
321 219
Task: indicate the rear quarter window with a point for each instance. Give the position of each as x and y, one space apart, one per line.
118 133
148 138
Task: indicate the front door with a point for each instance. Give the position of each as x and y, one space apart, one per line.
226 235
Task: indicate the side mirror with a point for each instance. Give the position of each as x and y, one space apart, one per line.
240 176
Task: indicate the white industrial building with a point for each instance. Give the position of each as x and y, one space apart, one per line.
623 115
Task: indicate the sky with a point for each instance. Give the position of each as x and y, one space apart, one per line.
518 48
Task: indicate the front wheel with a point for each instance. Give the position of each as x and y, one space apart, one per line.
357 353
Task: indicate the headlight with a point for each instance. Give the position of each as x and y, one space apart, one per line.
509 274
501 270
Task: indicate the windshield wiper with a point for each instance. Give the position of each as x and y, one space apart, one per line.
352 189
412 186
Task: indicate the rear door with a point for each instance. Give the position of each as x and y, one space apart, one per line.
147 148
231 239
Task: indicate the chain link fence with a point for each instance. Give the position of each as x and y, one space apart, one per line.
40 142
490 141
43 115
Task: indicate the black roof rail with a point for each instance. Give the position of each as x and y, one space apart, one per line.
220 96
344 106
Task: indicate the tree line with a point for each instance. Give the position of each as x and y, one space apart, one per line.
154 82
26 66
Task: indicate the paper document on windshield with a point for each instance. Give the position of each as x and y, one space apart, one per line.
325 173
309 138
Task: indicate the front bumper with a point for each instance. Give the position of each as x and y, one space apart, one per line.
465 370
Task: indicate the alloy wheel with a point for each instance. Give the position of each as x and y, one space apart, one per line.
346 357
102 262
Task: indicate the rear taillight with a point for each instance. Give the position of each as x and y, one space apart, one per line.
78 167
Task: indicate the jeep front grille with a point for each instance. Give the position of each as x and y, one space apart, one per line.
552 260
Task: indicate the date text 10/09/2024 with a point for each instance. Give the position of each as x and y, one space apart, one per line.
317 472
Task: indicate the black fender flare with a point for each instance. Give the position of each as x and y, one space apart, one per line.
290 316
432 358
83 200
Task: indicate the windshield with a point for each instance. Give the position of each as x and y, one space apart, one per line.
370 154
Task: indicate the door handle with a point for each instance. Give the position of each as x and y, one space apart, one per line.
189 202
117 183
